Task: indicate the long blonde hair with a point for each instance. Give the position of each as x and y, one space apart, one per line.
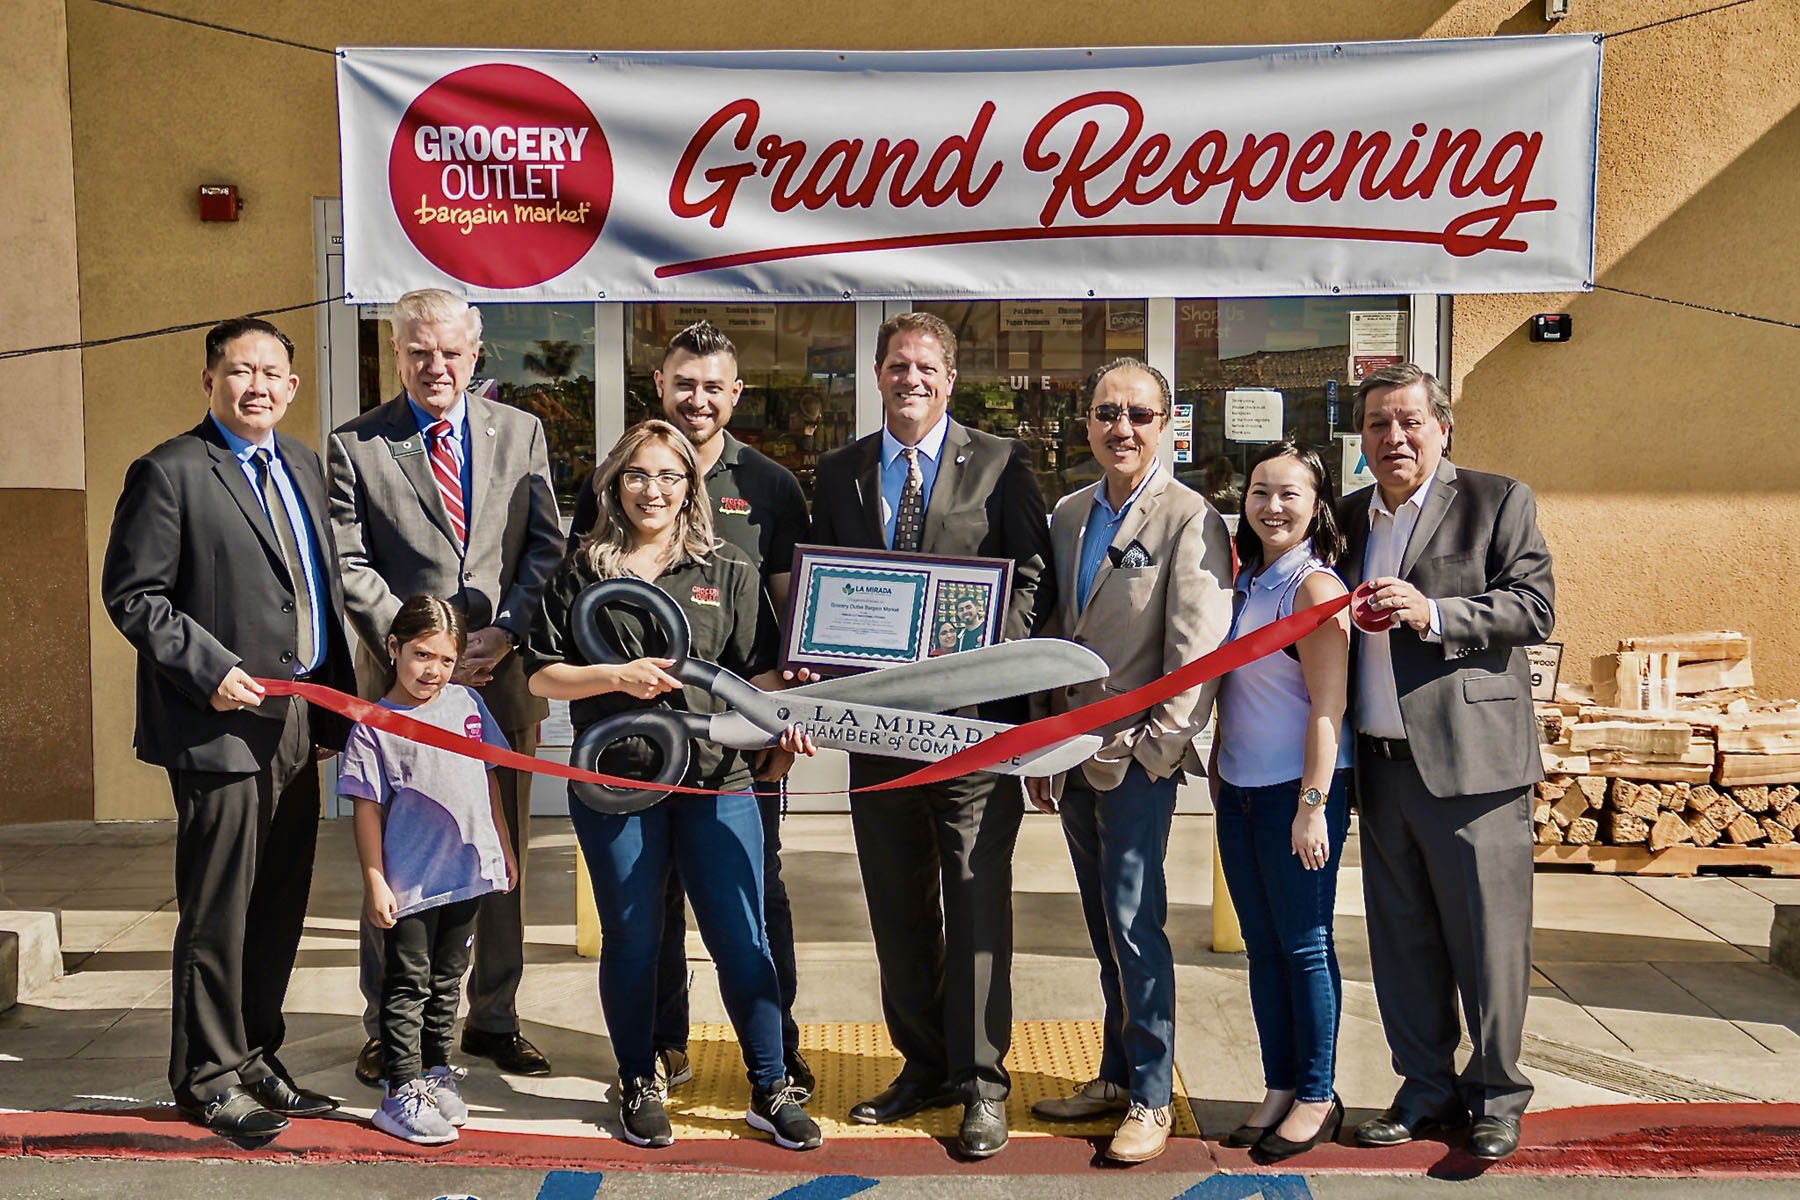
606 545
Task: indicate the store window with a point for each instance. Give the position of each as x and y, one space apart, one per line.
798 362
538 357
1021 370
1256 370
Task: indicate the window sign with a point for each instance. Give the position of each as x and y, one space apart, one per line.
1253 415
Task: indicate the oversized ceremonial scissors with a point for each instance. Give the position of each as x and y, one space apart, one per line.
828 711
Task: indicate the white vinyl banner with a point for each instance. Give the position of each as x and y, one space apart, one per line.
1419 166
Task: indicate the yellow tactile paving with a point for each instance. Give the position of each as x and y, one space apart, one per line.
855 1060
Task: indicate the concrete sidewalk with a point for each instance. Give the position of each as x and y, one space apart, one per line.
1652 990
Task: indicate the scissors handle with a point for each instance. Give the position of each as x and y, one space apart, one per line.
667 732
594 637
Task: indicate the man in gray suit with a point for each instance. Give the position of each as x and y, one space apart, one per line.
445 493
937 860
1446 753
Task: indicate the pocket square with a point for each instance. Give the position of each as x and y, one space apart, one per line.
1135 556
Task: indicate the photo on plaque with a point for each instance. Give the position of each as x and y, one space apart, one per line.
861 609
960 617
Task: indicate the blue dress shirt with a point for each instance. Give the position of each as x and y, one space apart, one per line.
1102 526
893 472
310 564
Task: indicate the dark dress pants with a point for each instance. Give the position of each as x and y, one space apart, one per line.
243 867
672 975
1447 887
937 875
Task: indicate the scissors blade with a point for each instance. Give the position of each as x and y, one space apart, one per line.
970 677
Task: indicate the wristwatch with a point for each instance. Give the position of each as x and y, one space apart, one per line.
1312 797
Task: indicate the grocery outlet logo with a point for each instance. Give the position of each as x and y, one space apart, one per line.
500 176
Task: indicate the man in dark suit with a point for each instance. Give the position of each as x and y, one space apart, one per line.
1446 753
220 570
446 493
937 860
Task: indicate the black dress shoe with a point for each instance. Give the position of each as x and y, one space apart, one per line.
1396 1127
369 1064
234 1113
1274 1147
1493 1138
900 1101
983 1129
288 1098
1244 1136
509 1051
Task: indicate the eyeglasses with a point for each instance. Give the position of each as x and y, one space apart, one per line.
1109 414
634 480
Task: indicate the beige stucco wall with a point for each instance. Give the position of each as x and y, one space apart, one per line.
1659 439
40 396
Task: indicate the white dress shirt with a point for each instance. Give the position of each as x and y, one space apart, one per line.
1377 696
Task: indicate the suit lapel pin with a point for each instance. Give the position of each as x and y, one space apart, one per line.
490 431
961 458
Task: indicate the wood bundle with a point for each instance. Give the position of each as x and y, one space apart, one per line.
1595 809
1651 674
1669 746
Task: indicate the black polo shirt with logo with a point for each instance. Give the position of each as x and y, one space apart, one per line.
731 625
756 503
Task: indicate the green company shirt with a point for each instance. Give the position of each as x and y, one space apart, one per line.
732 625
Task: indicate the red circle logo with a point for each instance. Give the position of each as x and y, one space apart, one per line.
500 176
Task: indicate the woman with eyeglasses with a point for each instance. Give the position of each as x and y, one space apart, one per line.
1280 785
655 524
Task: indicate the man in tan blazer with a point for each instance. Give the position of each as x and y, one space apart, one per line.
1143 569
446 493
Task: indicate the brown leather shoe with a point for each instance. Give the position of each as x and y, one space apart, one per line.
1142 1135
369 1064
1094 1098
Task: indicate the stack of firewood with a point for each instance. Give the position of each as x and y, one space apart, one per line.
1592 809
1669 746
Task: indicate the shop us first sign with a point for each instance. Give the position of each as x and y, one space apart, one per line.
1422 166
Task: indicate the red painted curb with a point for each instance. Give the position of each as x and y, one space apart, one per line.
1717 1140
163 1133
1647 1140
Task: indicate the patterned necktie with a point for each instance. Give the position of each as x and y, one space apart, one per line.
276 508
909 521
449 479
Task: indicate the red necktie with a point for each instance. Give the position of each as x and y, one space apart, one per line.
449 479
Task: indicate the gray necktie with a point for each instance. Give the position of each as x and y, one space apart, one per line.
909 522
290 553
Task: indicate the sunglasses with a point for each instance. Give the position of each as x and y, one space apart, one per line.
1109 414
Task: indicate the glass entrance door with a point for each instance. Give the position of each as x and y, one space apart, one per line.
1022 368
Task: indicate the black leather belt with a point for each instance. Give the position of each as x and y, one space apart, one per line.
1397 749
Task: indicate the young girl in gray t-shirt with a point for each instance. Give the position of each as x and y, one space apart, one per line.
429 832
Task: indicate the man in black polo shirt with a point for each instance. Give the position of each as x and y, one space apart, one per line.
759 508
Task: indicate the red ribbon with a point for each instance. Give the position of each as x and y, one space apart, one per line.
1020 739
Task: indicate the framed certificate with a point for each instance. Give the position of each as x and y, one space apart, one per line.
852 610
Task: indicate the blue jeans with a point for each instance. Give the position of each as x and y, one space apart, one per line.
1284 911
716 841
670 1029
1117 841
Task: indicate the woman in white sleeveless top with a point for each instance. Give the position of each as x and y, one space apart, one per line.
1280 783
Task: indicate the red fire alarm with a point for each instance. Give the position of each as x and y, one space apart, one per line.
220 202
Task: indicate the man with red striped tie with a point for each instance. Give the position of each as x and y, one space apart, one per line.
442 492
